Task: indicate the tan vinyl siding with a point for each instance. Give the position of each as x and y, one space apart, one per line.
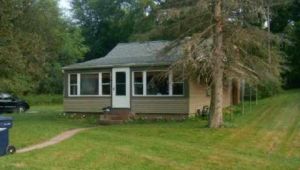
198 96
159 105
86 104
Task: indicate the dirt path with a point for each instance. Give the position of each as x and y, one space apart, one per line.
61 137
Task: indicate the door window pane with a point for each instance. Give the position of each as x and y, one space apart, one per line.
157 84
89 84
121 90
120 77
120 83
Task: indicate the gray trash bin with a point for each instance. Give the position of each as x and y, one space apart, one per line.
5 124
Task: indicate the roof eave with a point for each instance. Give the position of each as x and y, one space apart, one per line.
117 65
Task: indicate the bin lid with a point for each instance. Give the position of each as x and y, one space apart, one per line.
5 122
5 118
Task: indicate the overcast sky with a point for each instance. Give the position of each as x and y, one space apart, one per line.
65 4
66 7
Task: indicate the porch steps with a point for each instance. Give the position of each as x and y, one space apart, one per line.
115 116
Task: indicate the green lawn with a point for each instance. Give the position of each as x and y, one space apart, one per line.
266 138
41 123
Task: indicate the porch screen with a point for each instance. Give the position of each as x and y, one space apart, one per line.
89 84
157 83
138 83
177 85
106 87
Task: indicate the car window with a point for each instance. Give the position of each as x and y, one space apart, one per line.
7 98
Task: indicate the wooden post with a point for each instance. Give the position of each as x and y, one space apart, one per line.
243 96
250 88
256 95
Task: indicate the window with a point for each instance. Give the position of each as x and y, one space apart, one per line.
6 97
120 83
157 84
177 86
106 87
138 83
89 84
73 84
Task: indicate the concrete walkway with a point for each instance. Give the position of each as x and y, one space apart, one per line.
63 136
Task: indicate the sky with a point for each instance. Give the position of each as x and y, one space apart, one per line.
65 6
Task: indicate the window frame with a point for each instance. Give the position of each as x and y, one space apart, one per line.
88 95
170 84
143 83
79 84
162 95
101 84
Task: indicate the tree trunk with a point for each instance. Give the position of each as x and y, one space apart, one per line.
216 113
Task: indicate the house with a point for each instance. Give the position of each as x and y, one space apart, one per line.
127 78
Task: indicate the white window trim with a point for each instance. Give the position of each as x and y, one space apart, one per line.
69 84
144 83
133 83
100 84
170 83
79 82
110 84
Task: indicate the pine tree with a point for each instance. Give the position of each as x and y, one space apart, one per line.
221 40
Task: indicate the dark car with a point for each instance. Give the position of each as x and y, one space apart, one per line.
10 104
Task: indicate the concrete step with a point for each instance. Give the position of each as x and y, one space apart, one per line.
115 116
110 122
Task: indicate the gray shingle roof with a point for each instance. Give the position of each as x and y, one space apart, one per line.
131 54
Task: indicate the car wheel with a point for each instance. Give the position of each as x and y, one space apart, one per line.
21 109
10 149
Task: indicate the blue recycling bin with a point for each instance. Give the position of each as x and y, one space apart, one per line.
5 124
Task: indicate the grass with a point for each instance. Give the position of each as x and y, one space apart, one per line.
40 124
44 99
268 137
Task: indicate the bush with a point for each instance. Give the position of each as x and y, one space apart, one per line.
268 89
43 99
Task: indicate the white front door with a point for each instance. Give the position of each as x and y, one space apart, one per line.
121 87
